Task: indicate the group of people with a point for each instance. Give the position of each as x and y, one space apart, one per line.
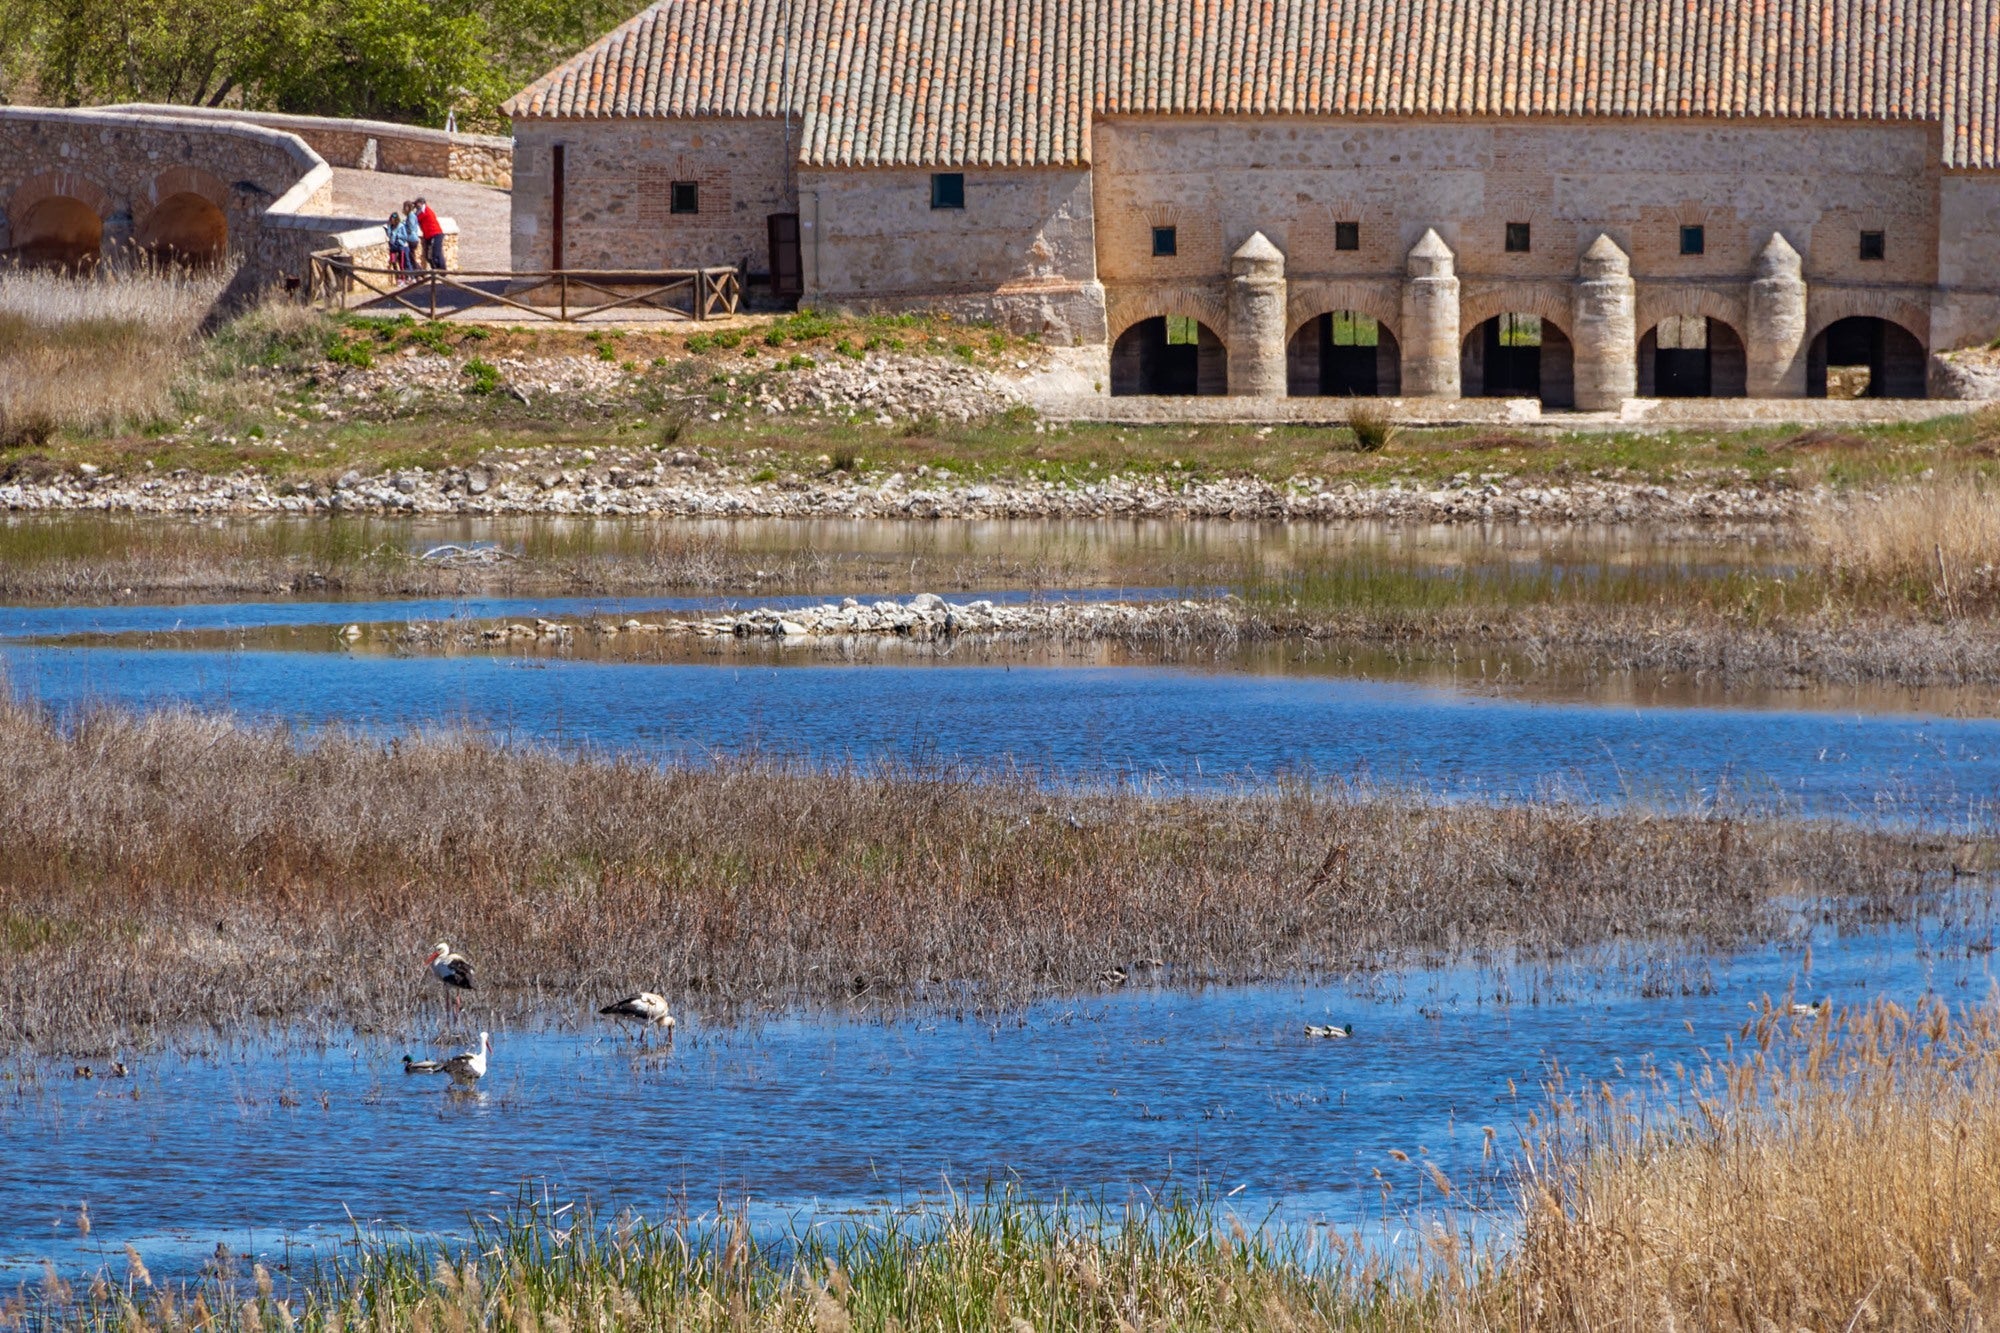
416 238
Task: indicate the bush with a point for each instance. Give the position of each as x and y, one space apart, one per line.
1373 428
485 376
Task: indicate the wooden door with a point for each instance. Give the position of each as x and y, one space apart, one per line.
787 273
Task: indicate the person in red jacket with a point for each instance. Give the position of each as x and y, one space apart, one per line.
433 233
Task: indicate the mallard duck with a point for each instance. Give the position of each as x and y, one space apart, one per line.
1330 1030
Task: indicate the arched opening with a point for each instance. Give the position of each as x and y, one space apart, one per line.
1343 354
1169 354
1692 356
1516 355
57 232
1865 357
184 229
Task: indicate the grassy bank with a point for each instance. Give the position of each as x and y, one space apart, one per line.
1826 1173
296 394
169 870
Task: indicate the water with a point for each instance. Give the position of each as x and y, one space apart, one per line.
1103 1095
1099 1094
1128 723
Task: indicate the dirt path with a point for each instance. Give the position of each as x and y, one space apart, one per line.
482 211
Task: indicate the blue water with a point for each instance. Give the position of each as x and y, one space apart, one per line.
1085 722
1103 1095
46 621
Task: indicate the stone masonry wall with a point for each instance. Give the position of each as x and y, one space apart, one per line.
274 193
1217 180
618 179
1022 252
409 150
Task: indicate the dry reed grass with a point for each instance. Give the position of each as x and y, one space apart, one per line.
171 869
1828 1174
96 351
1937 542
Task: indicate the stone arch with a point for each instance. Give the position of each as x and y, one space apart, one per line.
1826 306
1554 302
1124 308
186 179
1655 302
1718 368
1876 357
1152 356
185 227
1325 358
57 219
1309 300
1488 367
60 184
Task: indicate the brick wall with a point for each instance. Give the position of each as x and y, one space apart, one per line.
1219 179
618 179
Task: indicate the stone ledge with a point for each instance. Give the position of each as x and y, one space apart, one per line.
1641 413
414 150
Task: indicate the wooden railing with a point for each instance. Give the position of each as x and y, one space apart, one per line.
565 294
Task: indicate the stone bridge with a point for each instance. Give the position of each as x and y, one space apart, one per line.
197 185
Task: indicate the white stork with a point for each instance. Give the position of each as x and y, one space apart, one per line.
468 1067
453 969
646 1009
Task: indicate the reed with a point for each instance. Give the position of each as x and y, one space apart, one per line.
100 351
1936 543
171 869
1837 1172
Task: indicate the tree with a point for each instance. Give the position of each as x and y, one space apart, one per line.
414 61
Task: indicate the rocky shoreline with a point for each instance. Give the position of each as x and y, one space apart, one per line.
925 618
685 485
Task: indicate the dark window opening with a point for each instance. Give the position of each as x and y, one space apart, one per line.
1874 245
686 197
947 189
1165 242
1517 238
1347 235
1694 240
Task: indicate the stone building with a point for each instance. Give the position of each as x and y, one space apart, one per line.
1577 200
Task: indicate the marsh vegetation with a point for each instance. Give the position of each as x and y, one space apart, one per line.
168 870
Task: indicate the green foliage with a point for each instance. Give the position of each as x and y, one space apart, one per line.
342 352
485 376
412 61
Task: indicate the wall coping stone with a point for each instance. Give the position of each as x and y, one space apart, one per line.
285 120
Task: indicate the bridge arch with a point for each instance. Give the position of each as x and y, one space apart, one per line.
186 219
56 219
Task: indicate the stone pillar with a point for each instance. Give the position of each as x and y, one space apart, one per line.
1430 321
1774 342
1257 320
1605 337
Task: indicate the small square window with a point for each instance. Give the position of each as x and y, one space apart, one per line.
947 189
1694 240
1347 235
1183 331
1517 238
1874 245
1165 242
686 197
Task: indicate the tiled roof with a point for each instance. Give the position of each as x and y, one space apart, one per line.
1015 82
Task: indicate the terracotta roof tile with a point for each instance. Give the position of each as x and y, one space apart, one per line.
1015 82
